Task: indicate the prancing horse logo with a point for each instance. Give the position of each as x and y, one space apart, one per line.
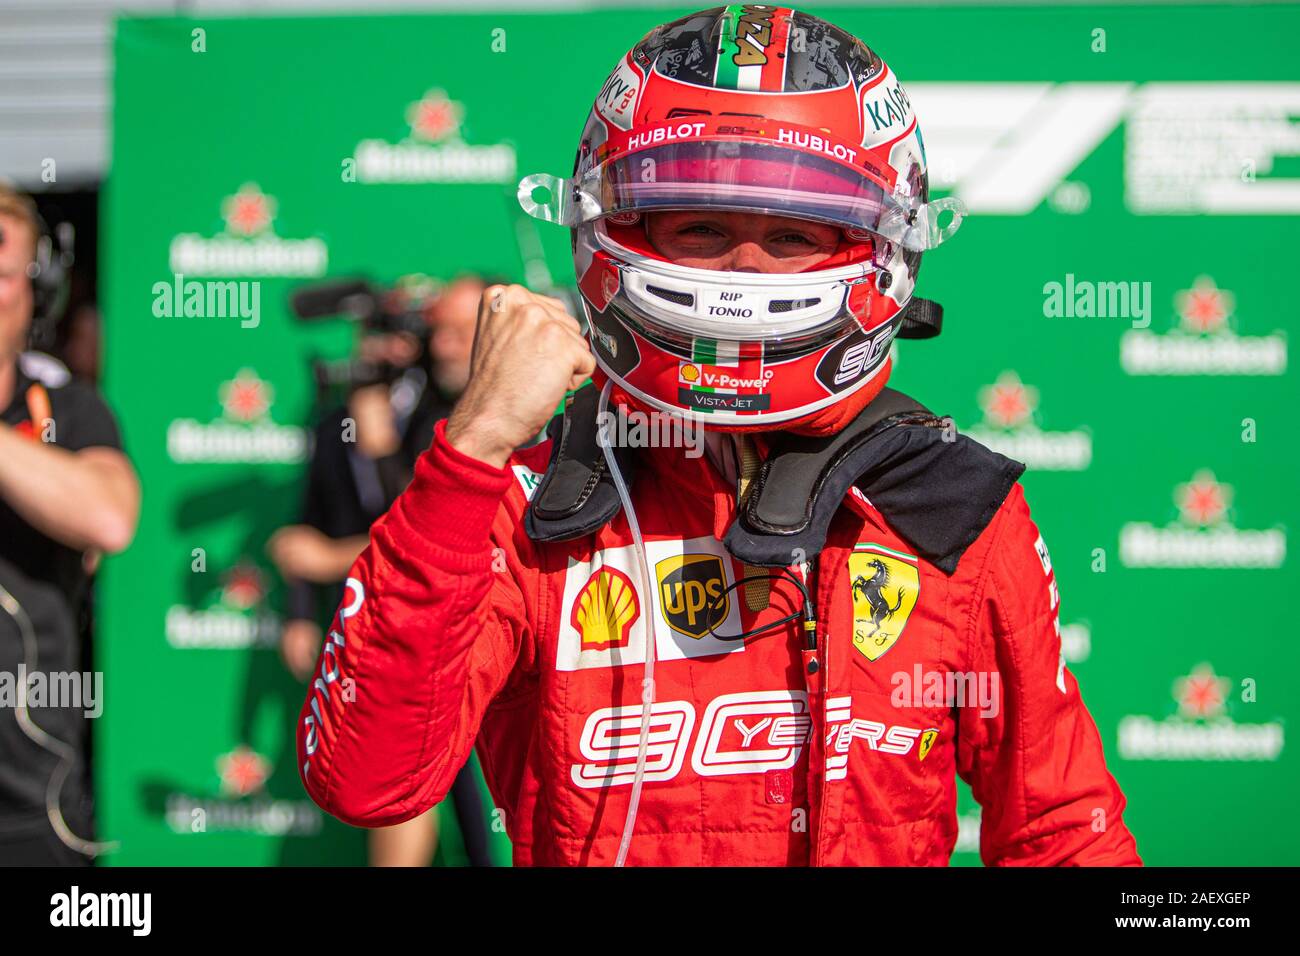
884 585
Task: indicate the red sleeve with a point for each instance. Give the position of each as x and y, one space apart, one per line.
1035 765
428 632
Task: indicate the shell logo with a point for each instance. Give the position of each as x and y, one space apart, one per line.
605 610
690 373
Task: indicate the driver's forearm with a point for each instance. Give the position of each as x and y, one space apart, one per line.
76 502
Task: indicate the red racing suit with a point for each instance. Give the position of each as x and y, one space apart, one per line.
457 630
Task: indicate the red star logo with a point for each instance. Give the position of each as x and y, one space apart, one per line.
249 211
1203 501
434 117
1008 402
1204 307
243 587
1201 694
245 398
242 771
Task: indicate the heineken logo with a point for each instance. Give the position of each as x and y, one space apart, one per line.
1202 341
248 212
1204 307
245 433
1201 729
434 150
245 398
220 628
1203 536
244 586
241 803
1009 407
248 246
259 815
434 118
243 771
237 618
1008 402
1203 501
1201 694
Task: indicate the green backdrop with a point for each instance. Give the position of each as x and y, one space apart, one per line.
1155 147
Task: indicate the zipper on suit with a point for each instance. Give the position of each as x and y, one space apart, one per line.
814 647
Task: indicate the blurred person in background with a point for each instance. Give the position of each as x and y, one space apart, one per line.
364 455
68 494
80 343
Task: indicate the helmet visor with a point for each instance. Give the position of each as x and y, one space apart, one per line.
737 176
783 170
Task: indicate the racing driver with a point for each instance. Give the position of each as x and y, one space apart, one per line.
778 637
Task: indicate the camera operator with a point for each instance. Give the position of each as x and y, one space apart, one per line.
364 455
67 495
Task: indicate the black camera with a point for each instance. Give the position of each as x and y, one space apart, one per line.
401 309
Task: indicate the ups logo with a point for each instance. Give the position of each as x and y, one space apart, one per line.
688 584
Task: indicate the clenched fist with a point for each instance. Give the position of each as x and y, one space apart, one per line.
527 353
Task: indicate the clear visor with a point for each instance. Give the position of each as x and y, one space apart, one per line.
743 176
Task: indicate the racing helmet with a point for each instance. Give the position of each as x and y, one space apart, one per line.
749 108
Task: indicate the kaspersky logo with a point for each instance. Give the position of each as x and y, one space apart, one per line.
235 618
1010 407
1203 536
1005 148
245 434
1201 728
434 150
1202 341
249 245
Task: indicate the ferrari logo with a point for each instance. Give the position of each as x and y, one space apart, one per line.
885 586
928 738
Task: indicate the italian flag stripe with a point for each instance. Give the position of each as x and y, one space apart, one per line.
726 75
880 548
705 351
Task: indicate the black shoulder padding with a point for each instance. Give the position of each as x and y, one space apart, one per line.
936 488
577 494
